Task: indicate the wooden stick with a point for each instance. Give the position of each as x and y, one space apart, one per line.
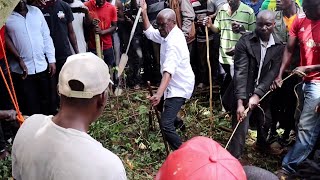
159 119
97 40
210 77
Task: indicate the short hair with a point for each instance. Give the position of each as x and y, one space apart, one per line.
76 85
167 14
266 13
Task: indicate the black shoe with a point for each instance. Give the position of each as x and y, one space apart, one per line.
178 124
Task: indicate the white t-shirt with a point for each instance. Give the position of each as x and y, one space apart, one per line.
174 59
77 24
43 150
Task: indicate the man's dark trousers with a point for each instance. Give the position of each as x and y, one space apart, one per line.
169 115
263 120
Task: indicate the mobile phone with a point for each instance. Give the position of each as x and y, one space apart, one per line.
77 9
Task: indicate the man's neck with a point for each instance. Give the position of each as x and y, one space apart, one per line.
73 118
234 9
289 12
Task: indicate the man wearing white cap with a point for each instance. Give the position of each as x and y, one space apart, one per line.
58 147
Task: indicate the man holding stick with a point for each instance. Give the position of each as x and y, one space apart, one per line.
177 76
257 62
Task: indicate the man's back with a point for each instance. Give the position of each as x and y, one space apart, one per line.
44 150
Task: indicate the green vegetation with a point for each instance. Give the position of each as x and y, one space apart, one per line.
124 129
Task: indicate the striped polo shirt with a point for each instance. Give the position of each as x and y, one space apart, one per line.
271 4
243 15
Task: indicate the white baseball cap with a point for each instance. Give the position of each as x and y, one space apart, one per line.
87 68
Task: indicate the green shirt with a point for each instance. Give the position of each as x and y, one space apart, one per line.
271 4
243 15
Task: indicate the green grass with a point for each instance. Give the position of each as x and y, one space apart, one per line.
124 129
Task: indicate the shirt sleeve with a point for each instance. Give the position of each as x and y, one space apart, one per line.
69 14
47 40
252 22
171 62
217 21
294 27
153 35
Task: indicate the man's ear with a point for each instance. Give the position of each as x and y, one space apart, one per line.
102 100
58 91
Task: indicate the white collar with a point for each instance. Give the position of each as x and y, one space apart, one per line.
270 43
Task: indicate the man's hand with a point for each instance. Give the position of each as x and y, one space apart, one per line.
155 99
301 71
237 28
98 30
254 101
52 69
277 83
143 5
24 68
240 112
230 51
11 115
207 21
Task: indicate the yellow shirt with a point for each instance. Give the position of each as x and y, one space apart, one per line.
289 21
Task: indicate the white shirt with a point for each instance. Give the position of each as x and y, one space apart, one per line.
43 150
77 24
31 37
174 59
264 48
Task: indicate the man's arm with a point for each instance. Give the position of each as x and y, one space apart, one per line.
150 32
188 16
8 115
212 27
72 38
49 49
110 30
155 99
11 48
120 11
286 59
241 69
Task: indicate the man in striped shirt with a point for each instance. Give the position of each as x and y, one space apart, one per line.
231 18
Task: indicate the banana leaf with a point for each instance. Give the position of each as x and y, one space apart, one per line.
6 7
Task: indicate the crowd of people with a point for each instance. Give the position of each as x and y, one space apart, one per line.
264 55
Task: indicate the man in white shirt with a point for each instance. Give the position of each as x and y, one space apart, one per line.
81 16
177 76
58 147
28 39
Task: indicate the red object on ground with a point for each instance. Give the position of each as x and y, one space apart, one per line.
201 158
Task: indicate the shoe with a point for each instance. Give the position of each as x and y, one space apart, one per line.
179 125
268 149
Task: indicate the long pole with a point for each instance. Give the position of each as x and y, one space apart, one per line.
210 77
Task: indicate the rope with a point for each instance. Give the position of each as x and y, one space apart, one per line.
11 91
247 110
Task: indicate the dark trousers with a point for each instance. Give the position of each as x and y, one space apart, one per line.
33 93
283 108
228 71
151 65
263 120
135 61
169 115
7 129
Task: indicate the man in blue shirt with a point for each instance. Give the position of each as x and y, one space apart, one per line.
254 4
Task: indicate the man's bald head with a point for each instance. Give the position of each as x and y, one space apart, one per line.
266 14
167 14
265 24
166 20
